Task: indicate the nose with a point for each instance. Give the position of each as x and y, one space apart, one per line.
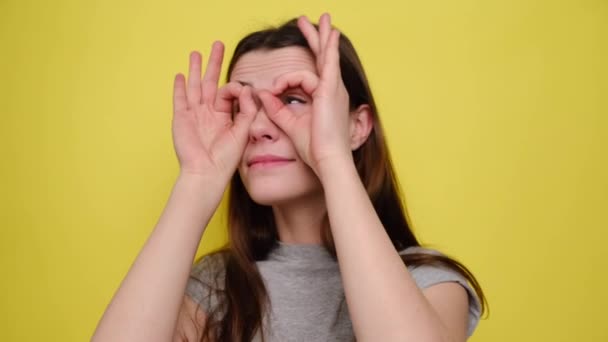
262 128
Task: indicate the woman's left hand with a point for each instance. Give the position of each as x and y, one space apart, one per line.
324 134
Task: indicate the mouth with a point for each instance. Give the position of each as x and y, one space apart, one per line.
267 161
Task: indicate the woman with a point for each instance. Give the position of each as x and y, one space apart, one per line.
318 238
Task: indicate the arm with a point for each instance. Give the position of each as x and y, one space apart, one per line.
146 305
383 299
209 145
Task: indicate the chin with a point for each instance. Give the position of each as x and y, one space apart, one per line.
272 193
276 188
281 186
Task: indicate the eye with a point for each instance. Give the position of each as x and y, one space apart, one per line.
292 99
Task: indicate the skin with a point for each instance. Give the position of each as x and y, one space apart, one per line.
292 104
292 188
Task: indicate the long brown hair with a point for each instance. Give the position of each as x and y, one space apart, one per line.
252 230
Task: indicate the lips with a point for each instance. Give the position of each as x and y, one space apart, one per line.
268 160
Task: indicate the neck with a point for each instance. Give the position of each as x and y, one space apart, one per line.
299 222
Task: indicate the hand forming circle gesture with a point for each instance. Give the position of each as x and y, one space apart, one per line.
325 134
207 140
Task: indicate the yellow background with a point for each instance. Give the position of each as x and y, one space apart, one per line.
495 111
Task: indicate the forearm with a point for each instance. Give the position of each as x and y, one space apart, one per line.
383 299
146 305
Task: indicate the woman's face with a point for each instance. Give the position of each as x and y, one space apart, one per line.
271 169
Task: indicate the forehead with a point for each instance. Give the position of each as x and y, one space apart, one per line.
261 67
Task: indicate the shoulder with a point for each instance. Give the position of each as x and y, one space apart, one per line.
420 250
209 267
207 280
428 273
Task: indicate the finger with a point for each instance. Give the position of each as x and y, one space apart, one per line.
277 112
180 101
310 33
226 96
331 65
194 79
324 32
304 79
247 103
246 115
212 73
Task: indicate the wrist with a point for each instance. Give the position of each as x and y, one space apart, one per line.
206 182
337 166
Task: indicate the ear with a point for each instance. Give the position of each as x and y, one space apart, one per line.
361 124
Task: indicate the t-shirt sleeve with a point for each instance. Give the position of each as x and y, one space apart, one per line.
206 281
429 275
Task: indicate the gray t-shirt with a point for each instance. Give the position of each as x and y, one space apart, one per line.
306 294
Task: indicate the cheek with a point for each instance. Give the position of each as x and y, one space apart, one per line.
300 108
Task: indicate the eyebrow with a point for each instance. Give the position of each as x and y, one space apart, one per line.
243 83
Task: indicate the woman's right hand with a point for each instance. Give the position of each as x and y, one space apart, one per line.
208 141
